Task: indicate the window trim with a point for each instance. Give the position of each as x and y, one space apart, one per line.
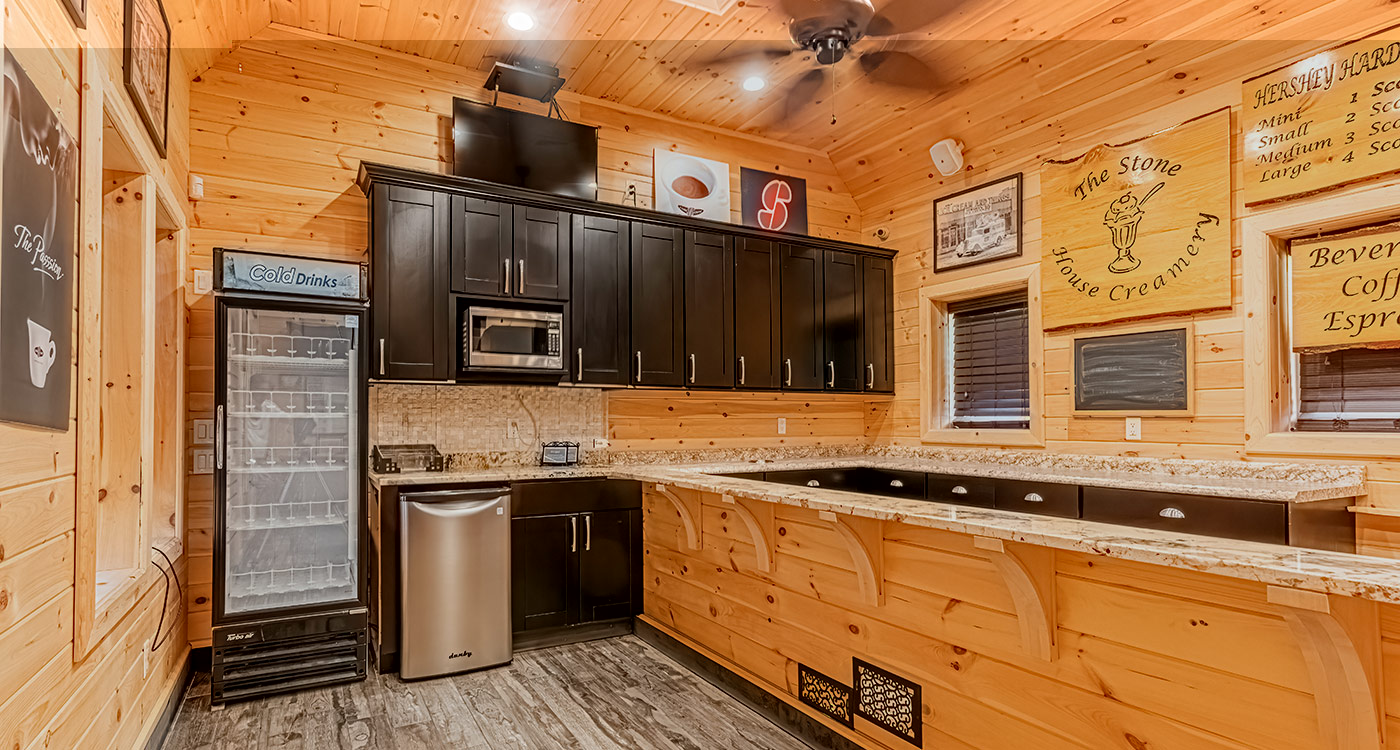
935 412
1270 393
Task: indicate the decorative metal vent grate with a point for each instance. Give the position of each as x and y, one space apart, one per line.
829 696
889 701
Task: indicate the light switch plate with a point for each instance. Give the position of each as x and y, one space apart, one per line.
782 425
203 461
203 281
1132 428
203 432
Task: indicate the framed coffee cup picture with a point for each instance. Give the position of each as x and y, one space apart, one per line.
39 188
691 185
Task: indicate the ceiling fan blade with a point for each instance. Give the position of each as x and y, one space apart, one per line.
908 16
895 68
800 94
808 8
745 54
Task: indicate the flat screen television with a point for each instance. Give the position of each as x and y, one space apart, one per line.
518 148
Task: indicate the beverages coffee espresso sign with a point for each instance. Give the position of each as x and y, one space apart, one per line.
1138 229
1346 290
1323 122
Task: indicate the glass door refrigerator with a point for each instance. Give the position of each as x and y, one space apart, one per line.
289 571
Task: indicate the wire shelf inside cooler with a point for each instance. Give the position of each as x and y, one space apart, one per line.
287 515
283 587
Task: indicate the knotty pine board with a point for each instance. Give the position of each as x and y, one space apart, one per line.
278 128
1149 656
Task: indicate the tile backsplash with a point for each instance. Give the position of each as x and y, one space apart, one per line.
476 419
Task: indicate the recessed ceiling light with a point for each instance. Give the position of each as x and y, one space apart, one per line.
754 83
520 21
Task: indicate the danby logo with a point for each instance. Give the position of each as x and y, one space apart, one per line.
459 654
239 636
285 275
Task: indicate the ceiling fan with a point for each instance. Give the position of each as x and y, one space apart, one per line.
831 30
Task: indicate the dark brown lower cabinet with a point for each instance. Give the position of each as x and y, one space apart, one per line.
607 558
544 572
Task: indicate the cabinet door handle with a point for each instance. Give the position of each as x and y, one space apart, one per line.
959 490
520 278
741 370
896 483
869 376
813 483
505 280
381 356
1034 497
692 369
787 373
831 374
573 525
639 365
588 532
219 436
580 364
1171 513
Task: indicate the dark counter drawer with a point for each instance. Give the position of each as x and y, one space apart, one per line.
831 479
1231 518
944 488
554 496
890 483
1043 498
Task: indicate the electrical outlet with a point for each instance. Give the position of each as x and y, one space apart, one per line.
513 430
782 425
600 442
1132 428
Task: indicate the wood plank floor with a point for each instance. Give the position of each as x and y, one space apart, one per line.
615 693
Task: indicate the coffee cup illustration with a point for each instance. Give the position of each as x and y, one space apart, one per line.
1122 219
42 352
690 183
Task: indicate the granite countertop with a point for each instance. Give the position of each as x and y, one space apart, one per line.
1330 572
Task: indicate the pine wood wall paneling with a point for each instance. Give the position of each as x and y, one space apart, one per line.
278 128
1149 655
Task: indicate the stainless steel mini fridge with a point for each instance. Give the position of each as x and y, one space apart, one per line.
454 581
289 573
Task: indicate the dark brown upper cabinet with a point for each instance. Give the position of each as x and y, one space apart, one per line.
877 316
411 319
658 305
803 315
499 250
757 314
709 310
601 301
844 350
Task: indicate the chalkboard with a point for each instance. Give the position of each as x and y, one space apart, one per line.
1132 373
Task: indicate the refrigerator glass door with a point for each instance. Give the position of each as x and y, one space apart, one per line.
291 498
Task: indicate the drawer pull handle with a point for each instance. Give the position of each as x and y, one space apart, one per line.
813 483
1034 497
1171 513
896 482
959 490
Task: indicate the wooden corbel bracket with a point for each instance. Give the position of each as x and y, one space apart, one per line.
864 538
758 518
1029 574
689 512
1340 640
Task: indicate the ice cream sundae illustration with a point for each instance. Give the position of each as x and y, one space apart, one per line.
1122 219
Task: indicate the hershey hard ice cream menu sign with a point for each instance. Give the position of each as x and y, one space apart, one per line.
1323 122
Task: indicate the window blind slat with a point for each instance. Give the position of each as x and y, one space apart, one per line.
1352 390
990 366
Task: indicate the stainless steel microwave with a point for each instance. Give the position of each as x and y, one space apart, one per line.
521 339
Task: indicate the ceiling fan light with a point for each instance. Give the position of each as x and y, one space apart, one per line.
754 83
520 20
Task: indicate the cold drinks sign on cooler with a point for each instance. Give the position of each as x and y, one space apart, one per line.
1326 121
1138 229
772 201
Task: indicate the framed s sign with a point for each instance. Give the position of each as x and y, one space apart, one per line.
772 201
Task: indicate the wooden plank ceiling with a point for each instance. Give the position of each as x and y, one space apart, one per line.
644 53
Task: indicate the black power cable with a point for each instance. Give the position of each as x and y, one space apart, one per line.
157 641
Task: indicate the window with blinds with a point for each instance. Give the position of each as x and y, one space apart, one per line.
1352 390
989 371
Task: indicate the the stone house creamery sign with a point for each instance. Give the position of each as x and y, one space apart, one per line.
1346 290
1139 229
1326 121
